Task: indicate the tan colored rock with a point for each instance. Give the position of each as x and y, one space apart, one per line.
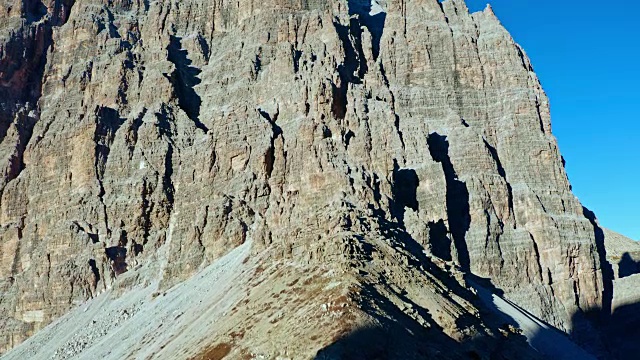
172 132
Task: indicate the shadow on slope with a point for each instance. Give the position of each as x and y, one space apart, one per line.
416 335
628 266
607 269
399 336
615 338
622 332
375 343
609 332
409 331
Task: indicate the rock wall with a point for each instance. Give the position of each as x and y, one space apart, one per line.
174 131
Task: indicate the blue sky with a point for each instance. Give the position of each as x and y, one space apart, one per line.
587 55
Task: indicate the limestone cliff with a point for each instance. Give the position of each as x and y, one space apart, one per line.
405 143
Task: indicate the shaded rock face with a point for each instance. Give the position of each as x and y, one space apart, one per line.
171 132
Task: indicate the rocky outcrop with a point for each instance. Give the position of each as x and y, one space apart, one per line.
621 328
322 132
622 253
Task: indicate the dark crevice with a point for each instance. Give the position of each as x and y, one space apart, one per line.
93 237
457 198
184 78
374 184
118 256
498 234
270 156
89 232
268 117
132 136
147 207
23 64
270 159
137 248
396 124
605 266
94 270
339 101
296 55
439 241
113 30
164 125
24 124
124 238
108 122
442 8
541 203
326 132
373 23
206 49
496 159
537 254
346 71
34 11
494 154
406 184
404 191
167 182
354 65
346 138
523 59
257 65
165 129
539 116
204 226
583 322
385 79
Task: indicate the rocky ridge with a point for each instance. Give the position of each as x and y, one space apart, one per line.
405 145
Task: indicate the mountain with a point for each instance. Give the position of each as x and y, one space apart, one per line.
285 179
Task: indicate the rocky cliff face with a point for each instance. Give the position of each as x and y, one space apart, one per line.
348 135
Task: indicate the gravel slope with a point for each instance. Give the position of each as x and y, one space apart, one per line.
144 323
548 341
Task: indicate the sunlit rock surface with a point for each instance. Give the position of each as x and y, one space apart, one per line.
377 155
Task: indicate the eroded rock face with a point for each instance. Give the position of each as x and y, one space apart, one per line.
171 132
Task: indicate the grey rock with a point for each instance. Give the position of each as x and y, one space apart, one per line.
171 132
